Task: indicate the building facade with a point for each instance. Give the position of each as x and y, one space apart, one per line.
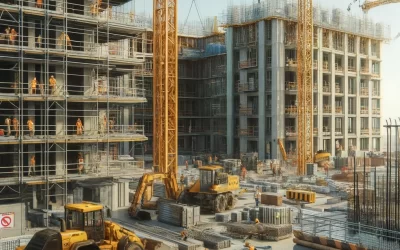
261 76
70 81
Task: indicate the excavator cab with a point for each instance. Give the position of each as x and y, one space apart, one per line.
86 217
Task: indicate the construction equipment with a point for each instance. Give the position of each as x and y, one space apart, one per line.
214 186
369 4
322 158
84 227
214 190
305 85
282 149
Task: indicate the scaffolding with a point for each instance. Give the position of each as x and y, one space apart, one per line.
335 19
71 76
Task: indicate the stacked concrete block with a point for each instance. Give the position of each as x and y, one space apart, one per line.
210 238
275 215
236 216
253 214
271 199
245 215
178 214
222 217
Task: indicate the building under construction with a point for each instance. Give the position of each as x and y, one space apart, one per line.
76 95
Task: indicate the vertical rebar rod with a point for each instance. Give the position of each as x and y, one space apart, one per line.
387 167
364 185
354 189
375 196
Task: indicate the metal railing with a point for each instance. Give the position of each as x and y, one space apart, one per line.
336 227
248 63
291 110
290 86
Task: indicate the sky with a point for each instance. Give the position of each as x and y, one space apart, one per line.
388 14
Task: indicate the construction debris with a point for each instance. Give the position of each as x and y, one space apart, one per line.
261 231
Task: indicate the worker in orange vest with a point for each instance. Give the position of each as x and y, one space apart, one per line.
31 127
184 235
79 127
13 36
33 86
32 164
39 3
244 172
7 122
15 127
52 84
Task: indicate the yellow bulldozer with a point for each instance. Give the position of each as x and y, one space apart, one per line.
85 228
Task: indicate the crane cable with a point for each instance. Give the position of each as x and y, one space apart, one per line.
198 14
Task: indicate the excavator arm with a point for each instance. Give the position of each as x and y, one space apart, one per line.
369 4
282 148
147 180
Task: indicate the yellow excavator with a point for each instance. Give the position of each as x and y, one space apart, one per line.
214 190
85 228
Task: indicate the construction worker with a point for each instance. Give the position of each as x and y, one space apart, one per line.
13 36
31 127
243 172
104 127
64 40
39 3
32 89
215 158
52 84
111 125
79 127
249 246
39 41
7 32
187 165
210 159
15 127
257 196
80 163
32 164
182 180
184 235
7 122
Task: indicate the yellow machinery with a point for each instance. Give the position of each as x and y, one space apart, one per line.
301 195
282 149
214 190
215 186
369 4
84 228
321 158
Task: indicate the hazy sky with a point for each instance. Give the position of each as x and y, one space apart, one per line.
388 14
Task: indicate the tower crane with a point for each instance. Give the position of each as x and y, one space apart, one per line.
305 88
216 189
369 4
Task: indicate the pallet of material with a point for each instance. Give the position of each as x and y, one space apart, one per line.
275 215
178 214
222 217
271 199
210 238
262 231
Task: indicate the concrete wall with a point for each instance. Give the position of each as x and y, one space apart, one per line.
19 220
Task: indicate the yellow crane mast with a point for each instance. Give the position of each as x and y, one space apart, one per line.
305 88
165 87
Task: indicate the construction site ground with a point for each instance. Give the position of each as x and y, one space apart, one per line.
246 199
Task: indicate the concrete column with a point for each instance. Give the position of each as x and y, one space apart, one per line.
230 92
34 199
78 194
243 101
31 34
125 120
60 5
31 114
358 101
114 196
278 79
261 90
333 83
346 95
320 116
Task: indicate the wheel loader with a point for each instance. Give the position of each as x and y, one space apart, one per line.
84 228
